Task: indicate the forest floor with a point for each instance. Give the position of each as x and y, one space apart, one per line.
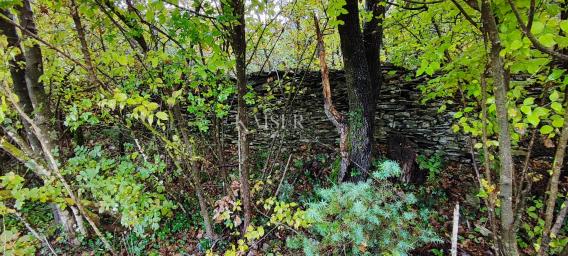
310 168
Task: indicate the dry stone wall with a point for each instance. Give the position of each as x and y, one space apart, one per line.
292 111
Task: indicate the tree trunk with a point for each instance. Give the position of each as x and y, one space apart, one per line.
373 36
557 164
203 209
337 118
194 170
486 161
553 189
83 40
238 43
21 81
358 88
34 61
508 236
18 74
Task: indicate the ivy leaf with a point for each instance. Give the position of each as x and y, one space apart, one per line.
526 109
541 112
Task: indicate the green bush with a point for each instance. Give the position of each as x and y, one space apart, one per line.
369 218
433 165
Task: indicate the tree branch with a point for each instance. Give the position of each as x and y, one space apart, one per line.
538 45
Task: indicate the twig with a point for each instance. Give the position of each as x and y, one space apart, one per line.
41 238
455 228
283 175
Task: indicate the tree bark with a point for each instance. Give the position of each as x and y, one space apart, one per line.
238 43
18 74
554 179
358 88
34 61
372 37
337 118
194 168
23 79
82 39
486 161
508 236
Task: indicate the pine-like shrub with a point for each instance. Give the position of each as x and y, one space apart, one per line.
369 218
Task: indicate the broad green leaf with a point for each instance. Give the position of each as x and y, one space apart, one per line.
557 107
528 101
557 121
564 25
546 129
554 96
162 116
547 40
537 28
516 44
533 119
526 109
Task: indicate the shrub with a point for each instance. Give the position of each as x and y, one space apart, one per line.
369 218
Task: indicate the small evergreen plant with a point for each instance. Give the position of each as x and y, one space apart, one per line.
368 218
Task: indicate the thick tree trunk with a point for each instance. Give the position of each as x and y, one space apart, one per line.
500 85
21 81
18 74
358 87
238 43
373 36
34 61
39 99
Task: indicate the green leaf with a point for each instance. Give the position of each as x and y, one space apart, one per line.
546 129
122 60
526 109
557 107
533 119
554 96
555 74
517 44
528 101
162 115
564 25
455 128
537 28
540 111
557 121
547 40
